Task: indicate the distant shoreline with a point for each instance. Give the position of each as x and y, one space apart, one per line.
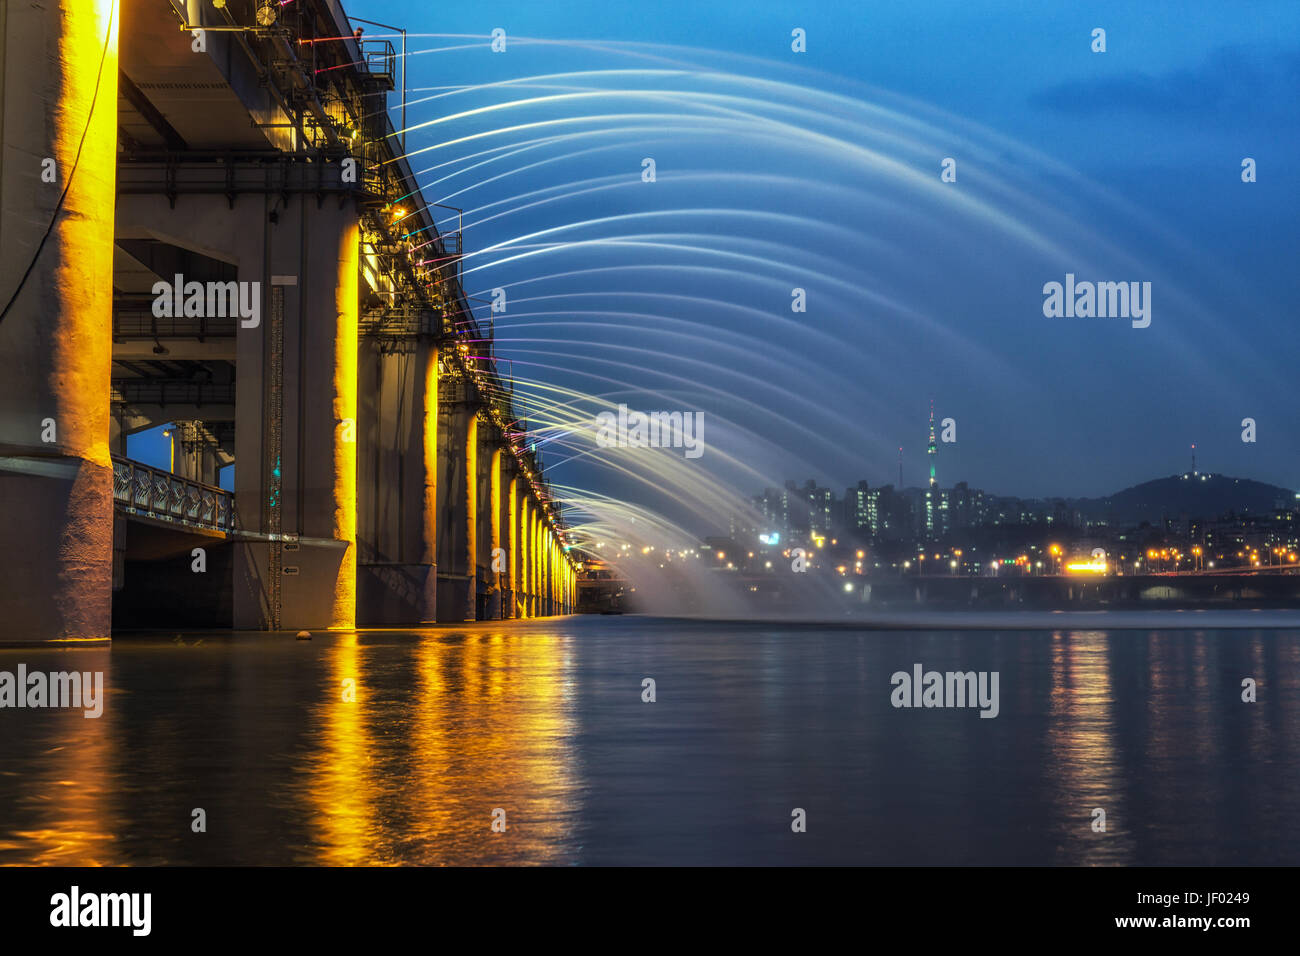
1197 619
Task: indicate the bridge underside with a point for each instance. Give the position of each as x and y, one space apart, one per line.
238 252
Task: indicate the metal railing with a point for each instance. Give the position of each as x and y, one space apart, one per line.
380 59
143 324
166 391
153 493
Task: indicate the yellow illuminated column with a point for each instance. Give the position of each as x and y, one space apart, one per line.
512 549
345 412
429 517
525 556
58 125
550 569
497 576
471 516
537 562
547 557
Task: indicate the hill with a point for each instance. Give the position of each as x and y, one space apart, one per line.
1193 495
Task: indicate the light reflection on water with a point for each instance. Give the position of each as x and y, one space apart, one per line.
544 719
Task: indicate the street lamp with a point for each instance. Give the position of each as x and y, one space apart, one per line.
171 450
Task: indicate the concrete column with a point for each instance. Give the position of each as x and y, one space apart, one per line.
546 569
564 584
544 609
495 577
557 579
529 568
539 574
193 457
458 510
397 495
550 570
429 503
341 347
305 258
116 433
311 266
471 515
58 123
521 558
511 594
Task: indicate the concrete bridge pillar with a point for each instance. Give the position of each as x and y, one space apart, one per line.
555 574
530 554
510 588
317 253
527 567
116 433
397 475
560 566
310 322
458 511
519 559
539 569
548 567
496 551
296 429
549 557
196 455
58 128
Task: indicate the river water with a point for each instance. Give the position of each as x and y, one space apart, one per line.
545 720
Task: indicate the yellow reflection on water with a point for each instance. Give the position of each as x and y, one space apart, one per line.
341 782
1082 741
62 814
413 770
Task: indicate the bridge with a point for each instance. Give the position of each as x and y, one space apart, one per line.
209 223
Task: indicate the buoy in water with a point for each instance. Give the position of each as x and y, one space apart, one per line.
304 635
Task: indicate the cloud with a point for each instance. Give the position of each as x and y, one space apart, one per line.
1233 82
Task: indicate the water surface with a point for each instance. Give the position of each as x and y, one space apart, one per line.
545 720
